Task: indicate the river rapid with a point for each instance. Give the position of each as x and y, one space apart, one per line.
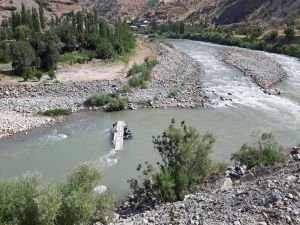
246 111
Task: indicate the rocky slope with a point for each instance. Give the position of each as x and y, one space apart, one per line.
52 7
219 12
264 196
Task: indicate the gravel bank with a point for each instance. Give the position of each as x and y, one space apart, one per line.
264 71
176 72
21 102
266 196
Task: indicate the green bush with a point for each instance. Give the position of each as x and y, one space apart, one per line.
97 100
136 81
145 69
28 201
267 151
135 70
173 93
125 89
105 50
117 104
184 161
112 102
51 74
38 74
57 112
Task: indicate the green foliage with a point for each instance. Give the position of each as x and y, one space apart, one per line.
74 32
28 201
23 56
51 74
105 50
184 162
173 93
74 57
117 104
125 89
5 53
57 112
22 32
272 36
112 102
289 33
144 72
267 151
227 36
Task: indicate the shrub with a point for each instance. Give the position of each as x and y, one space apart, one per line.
27 200
117 104
125 89
267 151
105 50
38 74
57 112
184 162
135 70
51 74
289 33
136 81
173 93
97 100
112 102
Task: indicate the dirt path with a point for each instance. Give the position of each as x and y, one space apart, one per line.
98 70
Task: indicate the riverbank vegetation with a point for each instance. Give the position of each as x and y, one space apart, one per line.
267 151
110 102
245 37
27 200
140 74
33 45
57 112
185 163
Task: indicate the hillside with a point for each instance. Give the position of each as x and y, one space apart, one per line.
218 12
52 7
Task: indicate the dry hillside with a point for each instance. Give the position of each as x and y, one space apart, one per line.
220 12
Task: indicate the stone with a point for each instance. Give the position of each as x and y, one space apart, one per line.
248 177
276 196
226 184
262 223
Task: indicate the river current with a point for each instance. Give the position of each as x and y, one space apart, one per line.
54 152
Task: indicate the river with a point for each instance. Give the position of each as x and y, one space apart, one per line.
54 152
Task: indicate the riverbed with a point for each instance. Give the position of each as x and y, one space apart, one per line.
240 110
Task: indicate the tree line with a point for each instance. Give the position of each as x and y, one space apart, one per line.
34 46
230 36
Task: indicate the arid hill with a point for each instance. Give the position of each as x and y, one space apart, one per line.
219 12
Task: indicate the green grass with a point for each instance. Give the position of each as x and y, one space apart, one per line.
57 112
74 57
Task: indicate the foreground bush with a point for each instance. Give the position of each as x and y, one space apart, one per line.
267 151
28 201
184 163
57 112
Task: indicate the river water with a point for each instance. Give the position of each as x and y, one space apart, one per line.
54 152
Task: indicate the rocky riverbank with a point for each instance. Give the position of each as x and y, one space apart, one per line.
264 196
20 103
264 71
175 83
